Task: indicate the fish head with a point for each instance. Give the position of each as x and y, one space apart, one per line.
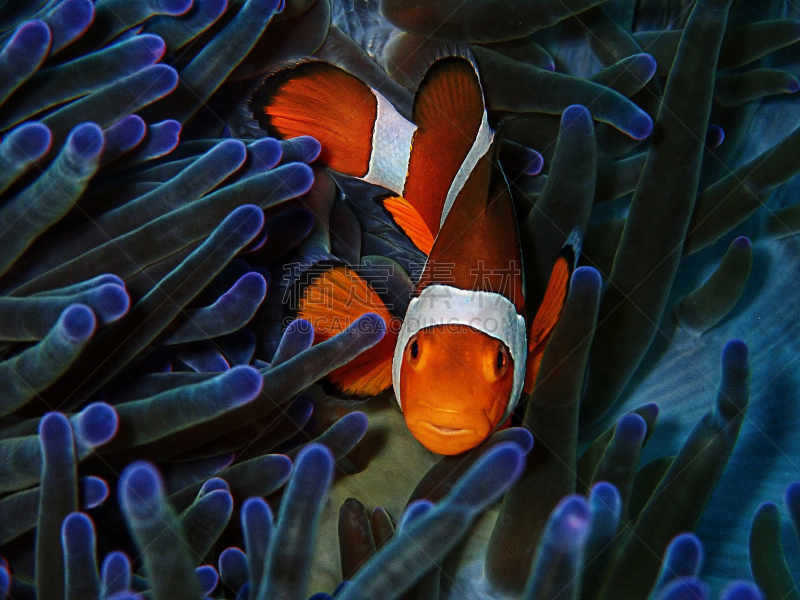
455 385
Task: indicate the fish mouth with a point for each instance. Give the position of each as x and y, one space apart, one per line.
442 430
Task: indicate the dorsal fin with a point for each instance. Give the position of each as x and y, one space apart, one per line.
448 112
316 98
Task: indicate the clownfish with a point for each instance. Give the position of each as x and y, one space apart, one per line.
464 353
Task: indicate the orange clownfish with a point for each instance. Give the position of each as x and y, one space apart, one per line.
464 353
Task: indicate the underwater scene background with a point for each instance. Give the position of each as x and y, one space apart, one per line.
162 430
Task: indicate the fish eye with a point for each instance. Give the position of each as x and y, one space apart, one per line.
413 352
496 363
501 359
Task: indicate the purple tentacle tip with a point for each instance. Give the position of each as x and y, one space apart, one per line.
491 475
576 115
734 354
631 428
315 462
792 497
370 323
162 77
140 490
299 178
313 148
413 511
256 510
5 582
97 424
112 302
301 329
77 531
208 577
174 8
535 163
153 48
267 6
125 595
715 135
125 133
231 150
251 285
116 572
586 277
70 20
264 154
243 384
640 126
683 589
77 12
356 423
55 431
247 220
607 496
521 437
742 243
86 141
162 138
573 517
95 491
684 556
741 590
30 141
77 322
30 42
212 485
650 65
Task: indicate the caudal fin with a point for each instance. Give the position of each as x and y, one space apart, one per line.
316 98
552 306
332 298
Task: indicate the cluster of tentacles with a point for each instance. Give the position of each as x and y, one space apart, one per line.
149 381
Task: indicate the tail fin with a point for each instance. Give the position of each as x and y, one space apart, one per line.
331 298
316 98
552 306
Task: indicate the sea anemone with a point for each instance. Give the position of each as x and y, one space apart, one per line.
150 232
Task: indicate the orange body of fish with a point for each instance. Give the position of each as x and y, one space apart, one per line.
464 353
